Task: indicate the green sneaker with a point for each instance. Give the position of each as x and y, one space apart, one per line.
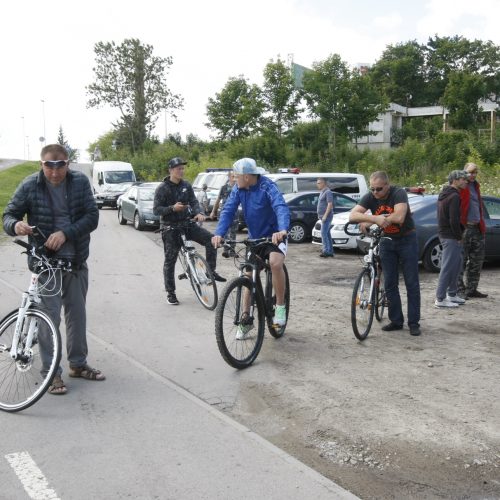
280 316
242 332
244 327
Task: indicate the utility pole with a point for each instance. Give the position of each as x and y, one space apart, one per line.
24 140
43 116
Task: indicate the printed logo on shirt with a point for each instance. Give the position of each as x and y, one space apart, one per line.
387 210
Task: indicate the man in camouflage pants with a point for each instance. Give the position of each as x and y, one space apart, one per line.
472 218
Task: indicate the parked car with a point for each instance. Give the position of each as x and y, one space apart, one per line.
303 212
424 210
109 197
136 206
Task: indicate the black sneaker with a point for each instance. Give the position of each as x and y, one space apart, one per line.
218 277
414 330
172 299
225 254
391 327
476 294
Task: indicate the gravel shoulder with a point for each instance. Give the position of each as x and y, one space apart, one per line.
394 416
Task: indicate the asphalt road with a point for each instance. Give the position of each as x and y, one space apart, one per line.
153 428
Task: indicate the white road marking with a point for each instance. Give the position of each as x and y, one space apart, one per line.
31 477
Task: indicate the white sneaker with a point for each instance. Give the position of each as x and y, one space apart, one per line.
242 331
456 299
445 303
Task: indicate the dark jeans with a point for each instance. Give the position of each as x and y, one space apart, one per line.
402 252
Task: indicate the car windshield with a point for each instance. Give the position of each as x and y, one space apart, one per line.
119 176
147 194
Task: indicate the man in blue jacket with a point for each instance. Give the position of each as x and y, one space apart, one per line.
59 201
267 216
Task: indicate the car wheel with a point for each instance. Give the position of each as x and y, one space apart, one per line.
121 219
297 233
432 256
137 222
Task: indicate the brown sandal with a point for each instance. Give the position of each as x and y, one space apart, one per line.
86 372
58 387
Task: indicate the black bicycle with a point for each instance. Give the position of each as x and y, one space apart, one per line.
368 296
195 267
245 306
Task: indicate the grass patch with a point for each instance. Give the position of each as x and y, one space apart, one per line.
10 179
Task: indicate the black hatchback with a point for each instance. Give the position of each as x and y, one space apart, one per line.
303 212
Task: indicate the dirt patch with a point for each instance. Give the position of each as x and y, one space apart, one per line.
395 416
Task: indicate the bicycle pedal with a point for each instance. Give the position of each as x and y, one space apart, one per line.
182 276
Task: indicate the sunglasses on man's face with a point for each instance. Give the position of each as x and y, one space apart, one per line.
377 189
55 163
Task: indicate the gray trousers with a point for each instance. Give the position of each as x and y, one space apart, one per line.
72 297
451 265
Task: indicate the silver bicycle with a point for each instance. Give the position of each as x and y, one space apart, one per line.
195 267
23 377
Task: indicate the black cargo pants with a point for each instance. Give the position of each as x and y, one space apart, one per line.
172 244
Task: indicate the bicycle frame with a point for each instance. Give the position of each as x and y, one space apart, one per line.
28 299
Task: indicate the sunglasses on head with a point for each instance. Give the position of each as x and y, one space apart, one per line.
55 163
377 189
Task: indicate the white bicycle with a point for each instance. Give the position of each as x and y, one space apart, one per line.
23 377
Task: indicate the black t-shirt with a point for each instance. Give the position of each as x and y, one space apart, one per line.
381 207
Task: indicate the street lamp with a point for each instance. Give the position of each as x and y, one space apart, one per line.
43 115
24 140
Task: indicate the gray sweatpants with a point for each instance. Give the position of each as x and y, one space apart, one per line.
451 265
72 297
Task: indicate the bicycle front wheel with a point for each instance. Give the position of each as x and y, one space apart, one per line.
277 331
24 380
381 299
203 282
239 341
362 309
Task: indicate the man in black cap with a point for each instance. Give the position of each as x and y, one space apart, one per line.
175 202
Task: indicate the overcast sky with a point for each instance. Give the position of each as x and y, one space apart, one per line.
47 51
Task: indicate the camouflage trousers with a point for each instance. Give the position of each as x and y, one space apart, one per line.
473 243
172 245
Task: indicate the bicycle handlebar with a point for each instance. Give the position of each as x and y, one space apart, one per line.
375 232
38 254
249 241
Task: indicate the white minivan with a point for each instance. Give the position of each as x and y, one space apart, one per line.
353 185
107 173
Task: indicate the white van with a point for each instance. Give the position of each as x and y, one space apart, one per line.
353 185
106 173
214 179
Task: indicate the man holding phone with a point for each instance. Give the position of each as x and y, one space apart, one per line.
175 202
61 214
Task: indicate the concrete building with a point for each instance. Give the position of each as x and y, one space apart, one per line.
387 123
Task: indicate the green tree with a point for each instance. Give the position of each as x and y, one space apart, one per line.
326 91
450 55
235 111
281 98
461 97
365 104
400 74
73 154
130 78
